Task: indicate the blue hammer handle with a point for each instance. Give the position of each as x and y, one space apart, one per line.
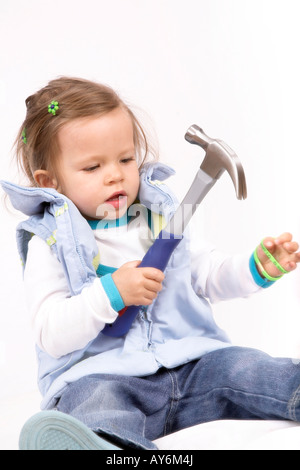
158 257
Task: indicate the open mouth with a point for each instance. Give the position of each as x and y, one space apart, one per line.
117 195
117 200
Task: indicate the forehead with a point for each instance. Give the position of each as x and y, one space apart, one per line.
114 129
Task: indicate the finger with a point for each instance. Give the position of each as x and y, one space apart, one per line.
144 301
131 264
148 298
153 286
153 273
297 258
291 266
291 247
283 238
269 243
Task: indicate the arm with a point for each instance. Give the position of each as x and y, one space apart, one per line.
62 323
220 277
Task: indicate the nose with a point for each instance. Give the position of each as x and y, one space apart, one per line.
113 174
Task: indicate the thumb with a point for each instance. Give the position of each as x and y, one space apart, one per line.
131 264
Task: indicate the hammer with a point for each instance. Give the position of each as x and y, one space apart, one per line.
219 158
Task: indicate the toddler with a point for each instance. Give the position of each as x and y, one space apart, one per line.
95 202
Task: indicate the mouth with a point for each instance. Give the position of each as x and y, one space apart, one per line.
117 199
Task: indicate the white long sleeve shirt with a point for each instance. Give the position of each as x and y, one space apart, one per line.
63 323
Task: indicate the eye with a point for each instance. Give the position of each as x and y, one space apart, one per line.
127 160
91 168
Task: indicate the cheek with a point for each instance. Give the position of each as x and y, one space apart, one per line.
136 180
77 189
85 203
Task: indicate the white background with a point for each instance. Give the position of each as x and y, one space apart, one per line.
232 67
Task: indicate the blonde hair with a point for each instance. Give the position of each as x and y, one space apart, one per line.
37 142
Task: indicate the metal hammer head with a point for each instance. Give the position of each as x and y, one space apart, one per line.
219 158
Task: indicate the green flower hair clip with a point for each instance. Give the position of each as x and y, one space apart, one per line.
53 107
24 138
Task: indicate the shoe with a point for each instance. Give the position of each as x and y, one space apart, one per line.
53 430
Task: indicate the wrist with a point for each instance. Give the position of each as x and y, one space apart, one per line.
262 272
276 265
258 277
112 292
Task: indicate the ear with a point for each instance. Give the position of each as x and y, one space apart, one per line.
44 179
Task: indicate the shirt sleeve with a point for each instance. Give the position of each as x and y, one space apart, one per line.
218 276
62 323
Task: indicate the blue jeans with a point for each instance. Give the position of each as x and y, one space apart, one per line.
231 383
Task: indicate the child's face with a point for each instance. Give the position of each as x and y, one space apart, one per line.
97 165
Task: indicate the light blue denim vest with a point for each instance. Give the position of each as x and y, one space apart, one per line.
177 328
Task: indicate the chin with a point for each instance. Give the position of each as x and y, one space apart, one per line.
115 215
111 214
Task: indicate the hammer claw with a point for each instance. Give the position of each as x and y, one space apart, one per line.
219 158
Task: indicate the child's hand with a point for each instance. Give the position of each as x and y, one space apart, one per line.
138 286
284 251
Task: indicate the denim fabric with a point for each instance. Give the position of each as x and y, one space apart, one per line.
230 383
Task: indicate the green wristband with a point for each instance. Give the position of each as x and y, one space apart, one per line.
263 271
272 259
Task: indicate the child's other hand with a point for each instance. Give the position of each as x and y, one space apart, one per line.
138 286
284 250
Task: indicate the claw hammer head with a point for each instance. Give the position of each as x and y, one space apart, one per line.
219 158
